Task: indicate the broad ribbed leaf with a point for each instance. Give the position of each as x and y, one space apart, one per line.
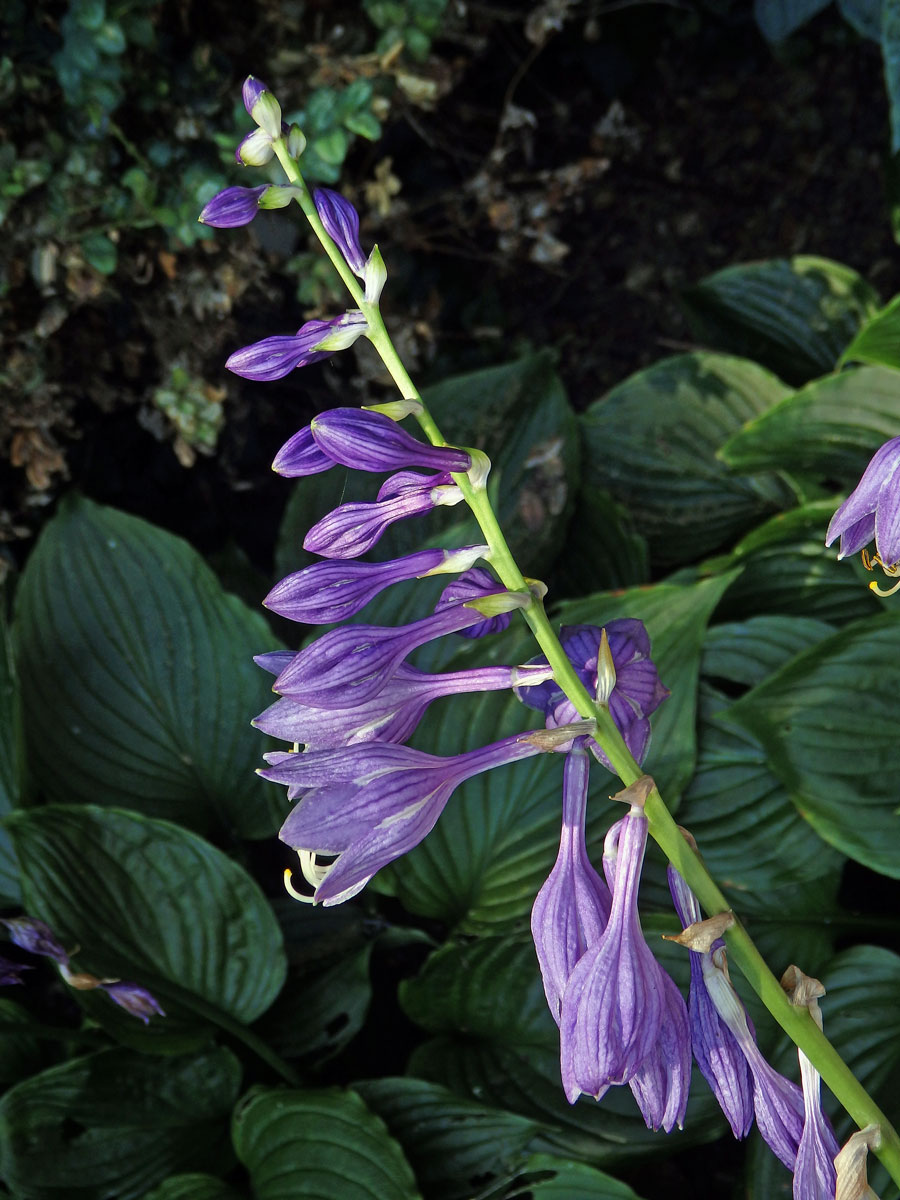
861 1011
878 341
137 679
745 652
21 1053
603 549
457 1148
318 1145
666 424
10 766
796 316
830 428
545 1177
112 1125
494 1041
788 570
828 724
194 1186
152 903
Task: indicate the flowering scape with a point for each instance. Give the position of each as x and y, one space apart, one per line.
349 702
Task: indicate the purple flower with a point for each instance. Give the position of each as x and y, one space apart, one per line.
368 804
341 222
872 510
719 1056
391 716
662 1082
352 529
347 667
815 1176
11 972
232 207
470 584
251 90
301 455
370 441
328 592
28 933
571 909
134 999
275 357
612 1008
635 693
261 106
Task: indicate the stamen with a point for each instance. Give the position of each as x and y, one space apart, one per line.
892 570
873 587
313 872
292 891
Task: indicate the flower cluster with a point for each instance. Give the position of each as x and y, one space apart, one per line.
36 937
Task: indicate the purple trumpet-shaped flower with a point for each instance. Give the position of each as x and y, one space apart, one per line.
275 357
571 909
370 441
11 972
347 667
232 207
301 455
815 1176
719 1056
872 510
28 933
635 690
612 1008
391 716
662 1082
473 583
352 529
328 592
341 222
135 999
370 804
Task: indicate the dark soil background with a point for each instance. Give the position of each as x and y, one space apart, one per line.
582 165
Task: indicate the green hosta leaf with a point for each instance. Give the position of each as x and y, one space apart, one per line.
318 1145
21 1053
483 863
796 316
150 902
748 651
11 765
787 570
545 1177
827 721
750 834
879 339
137 678
457 1147
603 549
115 1123
778 19
495 1042
195 1186
830 428
861 1010
666 423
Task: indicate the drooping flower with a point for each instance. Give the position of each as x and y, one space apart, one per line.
613 1004
571 909
274 357
135 999
391 716
11 972
370 441
28 933
632 694
331 591
719 1056
663 1080
347 667
872 510
473 583
353 528
368 804
815 1176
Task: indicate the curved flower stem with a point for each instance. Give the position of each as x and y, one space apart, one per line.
795 1021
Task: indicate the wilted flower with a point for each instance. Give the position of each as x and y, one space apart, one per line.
571 909
872 510
632 694
275 357
368 804
663 1080
28 933
135 999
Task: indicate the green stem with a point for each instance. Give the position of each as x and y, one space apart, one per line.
795 1021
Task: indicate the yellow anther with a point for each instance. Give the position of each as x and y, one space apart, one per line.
292 891
892 570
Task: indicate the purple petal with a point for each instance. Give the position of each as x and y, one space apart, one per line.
274 661
273 358
134 999
301 456
863 501
232 207
663 1080
815 1176
341 222
469 586
251 91
11 972
28 933
370 441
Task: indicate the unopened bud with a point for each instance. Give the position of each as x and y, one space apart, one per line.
296 141
606 671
